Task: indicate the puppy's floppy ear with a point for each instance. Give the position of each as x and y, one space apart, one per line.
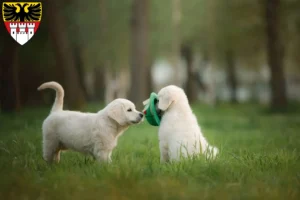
165 100
116 113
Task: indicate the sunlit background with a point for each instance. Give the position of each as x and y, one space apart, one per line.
218 51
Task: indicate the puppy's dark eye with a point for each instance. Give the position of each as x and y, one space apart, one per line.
129 110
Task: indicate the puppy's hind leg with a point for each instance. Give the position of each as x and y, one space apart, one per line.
51 150
57 156
164 152
102 156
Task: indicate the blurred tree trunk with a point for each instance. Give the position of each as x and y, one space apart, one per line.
139 51
203 65
110 83
77 45
191 85
231 75
149 79
10 85
79 64
176 43
150 86
64 55
99 83
122 80
106 71
275 53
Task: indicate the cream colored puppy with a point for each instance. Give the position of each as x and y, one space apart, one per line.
90 133
179 132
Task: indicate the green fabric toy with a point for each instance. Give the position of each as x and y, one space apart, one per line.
150 112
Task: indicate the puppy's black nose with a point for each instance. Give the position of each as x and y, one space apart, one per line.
141 115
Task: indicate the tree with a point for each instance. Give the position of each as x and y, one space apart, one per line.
78 46
64 56
275 53
192 76
99 83
232 33
176 42
79 65
9 76
231 75
139 51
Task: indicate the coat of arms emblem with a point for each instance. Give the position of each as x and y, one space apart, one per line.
22 19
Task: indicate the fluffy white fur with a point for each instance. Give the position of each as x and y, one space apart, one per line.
90 133
179 132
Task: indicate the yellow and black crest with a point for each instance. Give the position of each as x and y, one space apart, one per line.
22 19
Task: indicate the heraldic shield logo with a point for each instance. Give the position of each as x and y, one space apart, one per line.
22 19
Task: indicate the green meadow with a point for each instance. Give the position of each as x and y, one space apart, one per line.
259 159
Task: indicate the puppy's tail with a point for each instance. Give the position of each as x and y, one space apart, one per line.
211 152
59 100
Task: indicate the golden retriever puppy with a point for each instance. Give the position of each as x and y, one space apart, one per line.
95 134
179 132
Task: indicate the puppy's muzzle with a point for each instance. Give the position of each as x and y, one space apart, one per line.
139 118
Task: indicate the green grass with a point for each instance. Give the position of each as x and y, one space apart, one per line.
259 159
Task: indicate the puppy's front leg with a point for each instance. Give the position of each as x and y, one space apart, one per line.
164 152
103 156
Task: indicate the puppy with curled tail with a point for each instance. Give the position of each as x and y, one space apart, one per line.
95 134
